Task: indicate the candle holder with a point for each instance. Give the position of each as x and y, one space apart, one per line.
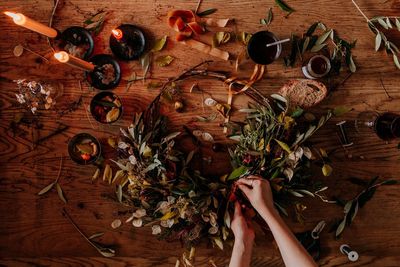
127 42
106 107
77 41
258 50
107 73
84 149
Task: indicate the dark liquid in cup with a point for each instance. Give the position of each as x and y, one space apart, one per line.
319 66
258 50
387 126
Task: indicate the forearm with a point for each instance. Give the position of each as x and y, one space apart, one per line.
241 254
293 253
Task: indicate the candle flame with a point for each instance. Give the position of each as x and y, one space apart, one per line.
62 56
117 33
16 17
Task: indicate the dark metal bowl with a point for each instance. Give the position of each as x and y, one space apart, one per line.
98 97
77 139
95 78
77 36
133 40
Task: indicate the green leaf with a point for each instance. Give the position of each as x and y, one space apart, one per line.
159 44
378 41
60 193
326 170
285 7
236 173
164 61
46 189
317 47
207 12
352 66
397 24
388 23
348 206
279 98
305 44
340 228
341 110
354 211
284 146
269 17
383 23
312 28
396 61
297 112
323 37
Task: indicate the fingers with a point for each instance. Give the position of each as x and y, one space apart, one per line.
245 189
238 210
245 181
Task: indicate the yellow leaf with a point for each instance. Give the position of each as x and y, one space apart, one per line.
323 153
96 174
326 170
261 144
113 115
107 174
147 151
168 215
284 146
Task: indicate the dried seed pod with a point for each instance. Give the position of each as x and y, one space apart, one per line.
116 223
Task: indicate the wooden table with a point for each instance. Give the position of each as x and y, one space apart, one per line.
33 231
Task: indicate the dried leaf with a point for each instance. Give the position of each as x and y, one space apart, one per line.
96 174
284 146
164 61
244 37
106 252
383 23
221 38
145 63
305 44
95 235
154 85
218 242
60 193
279 98
397 23
95 24
18 50
107 174
46 189
326 170
116 223
207 12
340 228
159 44
113 115
352 66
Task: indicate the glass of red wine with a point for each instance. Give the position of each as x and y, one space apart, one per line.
386 125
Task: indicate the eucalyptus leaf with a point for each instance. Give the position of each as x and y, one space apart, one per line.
207 12
383 23
285 7
317 47
397 20
145 63
95 235
60 193
46 189
305 45
396 61
388 23
378 41
326 170
279 98
284 146
352 65
340 228
323 37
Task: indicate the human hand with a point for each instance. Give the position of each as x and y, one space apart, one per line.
241 228
259 193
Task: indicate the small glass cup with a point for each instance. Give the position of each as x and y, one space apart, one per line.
258 50
386 125
317 67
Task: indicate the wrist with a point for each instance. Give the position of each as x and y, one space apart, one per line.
244 241
268 213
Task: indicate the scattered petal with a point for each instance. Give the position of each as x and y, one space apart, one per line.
116 223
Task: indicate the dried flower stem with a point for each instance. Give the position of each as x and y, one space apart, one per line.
51 22
359 9
198 6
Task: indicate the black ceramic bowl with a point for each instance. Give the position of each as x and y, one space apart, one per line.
100 106
75 155
132 44
79 37
97 77
258 50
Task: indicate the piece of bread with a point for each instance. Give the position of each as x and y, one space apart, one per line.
303 92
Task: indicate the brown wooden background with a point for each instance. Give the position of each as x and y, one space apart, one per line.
32 230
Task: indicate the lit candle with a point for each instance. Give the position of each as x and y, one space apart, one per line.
117 33
31 24
64 57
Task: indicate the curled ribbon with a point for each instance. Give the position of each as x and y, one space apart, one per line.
187 24
257 75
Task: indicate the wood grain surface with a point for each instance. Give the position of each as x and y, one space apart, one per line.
33 231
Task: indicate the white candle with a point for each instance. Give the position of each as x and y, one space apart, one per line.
31 24
66 58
